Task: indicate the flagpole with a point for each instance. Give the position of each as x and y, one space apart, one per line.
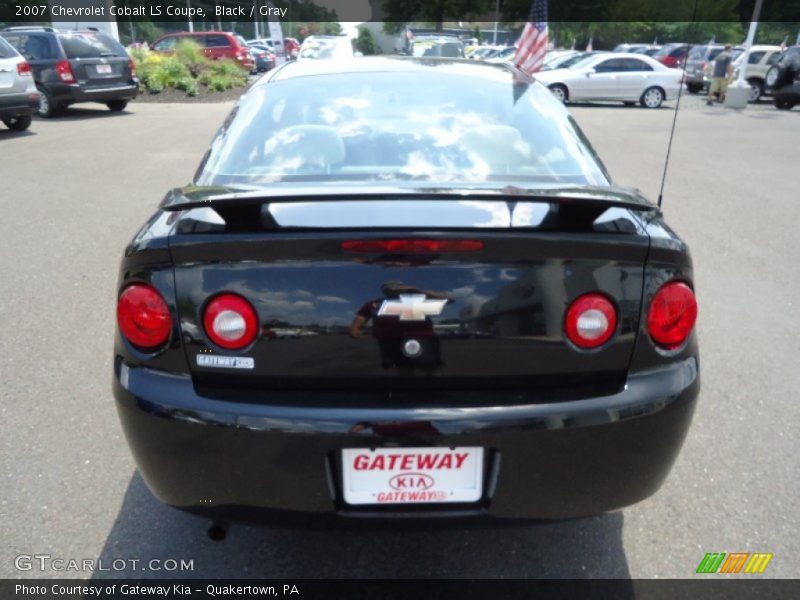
496 14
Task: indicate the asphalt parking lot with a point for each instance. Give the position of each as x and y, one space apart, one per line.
73 191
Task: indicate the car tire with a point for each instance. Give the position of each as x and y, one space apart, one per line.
116 105
756 89
694 88
652 97
19 123
783 104
48 107
775 77
560 92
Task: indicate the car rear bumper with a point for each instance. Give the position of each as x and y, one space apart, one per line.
236 460
74 93
18 105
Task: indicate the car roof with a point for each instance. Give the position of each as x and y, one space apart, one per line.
389 64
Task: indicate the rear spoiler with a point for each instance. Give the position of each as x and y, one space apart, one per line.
601 198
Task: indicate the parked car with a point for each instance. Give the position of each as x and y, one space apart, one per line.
483 52
334 47
263 57
383 323
649 51
75 66
630 78
216 45
504 55
761 59
635 48
672 55
565 61
783 79
441 46
18 94
699 65
291 48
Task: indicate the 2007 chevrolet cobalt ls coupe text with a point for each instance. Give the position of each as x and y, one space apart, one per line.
404 287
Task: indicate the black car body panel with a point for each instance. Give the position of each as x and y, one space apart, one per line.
565 431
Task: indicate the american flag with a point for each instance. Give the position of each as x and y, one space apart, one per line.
532 45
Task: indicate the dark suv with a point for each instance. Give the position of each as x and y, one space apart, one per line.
75 66
783 80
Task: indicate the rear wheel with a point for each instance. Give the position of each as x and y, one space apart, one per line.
774 77
20 123
694 88
652 97
756 89
47 105
117 105
783 104
560 92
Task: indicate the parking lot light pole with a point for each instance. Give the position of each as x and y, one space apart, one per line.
739 92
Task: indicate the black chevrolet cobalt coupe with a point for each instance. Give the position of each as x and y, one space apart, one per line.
404 287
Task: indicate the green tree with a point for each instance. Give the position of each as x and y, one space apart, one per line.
399 12
365 43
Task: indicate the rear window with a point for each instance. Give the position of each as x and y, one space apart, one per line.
400 126
90 45
6 49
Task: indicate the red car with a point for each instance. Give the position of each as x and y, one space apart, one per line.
217 45
672 55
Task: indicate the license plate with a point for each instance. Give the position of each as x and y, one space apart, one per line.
104 69
412 475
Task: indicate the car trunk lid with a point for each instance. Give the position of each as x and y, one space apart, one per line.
331 291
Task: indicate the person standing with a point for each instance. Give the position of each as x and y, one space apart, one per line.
722 70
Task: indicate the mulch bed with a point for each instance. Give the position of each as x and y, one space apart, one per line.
204 94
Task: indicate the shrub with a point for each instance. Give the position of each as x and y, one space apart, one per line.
191 55
188 85
219 84
154 87
185 70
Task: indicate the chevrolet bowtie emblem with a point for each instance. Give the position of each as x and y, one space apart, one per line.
411 307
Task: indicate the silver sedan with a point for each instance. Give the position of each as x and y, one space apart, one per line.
629 78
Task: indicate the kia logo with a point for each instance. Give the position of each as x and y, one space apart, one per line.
411 481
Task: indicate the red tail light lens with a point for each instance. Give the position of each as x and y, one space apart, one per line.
591 321
23 68
143 316
672 314
64 70
132 67
230 321
412 246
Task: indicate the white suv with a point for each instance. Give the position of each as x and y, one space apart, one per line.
18 94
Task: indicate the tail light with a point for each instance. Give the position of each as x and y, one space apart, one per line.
591 321
64 70
412 246
143 316
132 67
23 68
230 321
672 314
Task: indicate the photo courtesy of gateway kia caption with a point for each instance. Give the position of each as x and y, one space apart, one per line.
369 293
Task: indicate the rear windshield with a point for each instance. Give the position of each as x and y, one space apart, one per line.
6 49
400 126
90 45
